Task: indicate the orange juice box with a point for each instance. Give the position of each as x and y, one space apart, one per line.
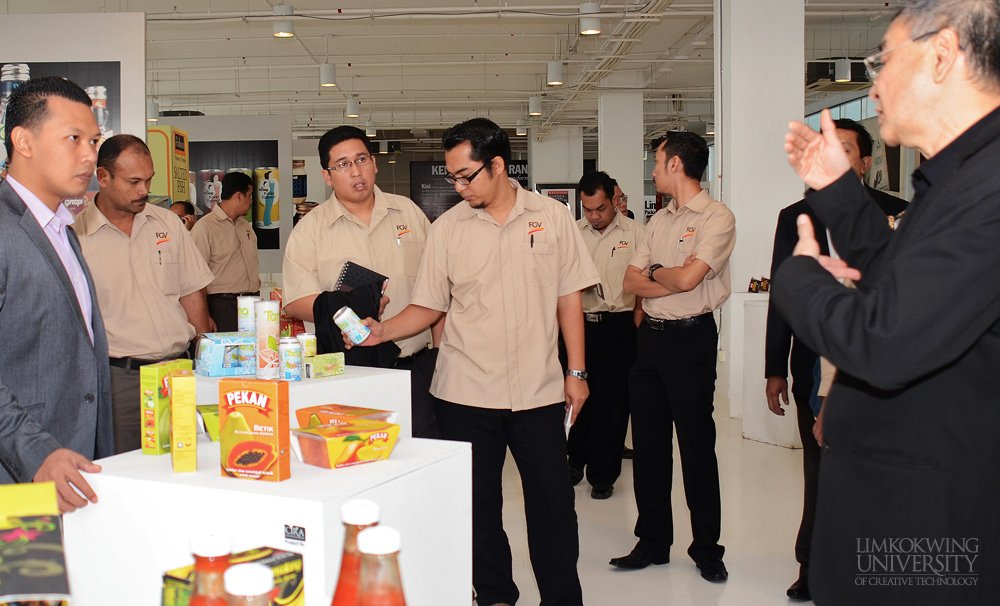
361 441
340 414
183 421
253 429
154 402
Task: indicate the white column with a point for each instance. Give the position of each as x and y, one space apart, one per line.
760 53
620 135
557 159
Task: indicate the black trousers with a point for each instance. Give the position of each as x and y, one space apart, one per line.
421 367
672 384
537 442
595 441
810 475
222 309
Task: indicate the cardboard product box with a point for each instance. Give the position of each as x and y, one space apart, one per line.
208 415
323 365
288 580
154 401
360 441
341 414
227 354
183 421
169 148
254 429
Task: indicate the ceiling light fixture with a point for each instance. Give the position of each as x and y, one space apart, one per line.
283 28
522 130
589 25
370 130
152 111
555 73
383 147
327 74
535 106
842 70
353 107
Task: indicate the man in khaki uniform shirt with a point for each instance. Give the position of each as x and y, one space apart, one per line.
229 246
383 232
610 320
682 275
150 278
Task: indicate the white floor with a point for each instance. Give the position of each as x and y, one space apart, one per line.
762 505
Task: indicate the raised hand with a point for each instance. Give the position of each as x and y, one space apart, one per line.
818 158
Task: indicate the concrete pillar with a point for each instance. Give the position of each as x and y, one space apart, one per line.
620 135
557 159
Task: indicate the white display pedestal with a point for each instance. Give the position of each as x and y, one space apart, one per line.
118 549
759 423
358 386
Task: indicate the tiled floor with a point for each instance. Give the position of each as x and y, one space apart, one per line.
761 500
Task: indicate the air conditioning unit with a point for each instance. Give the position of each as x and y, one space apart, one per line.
819 78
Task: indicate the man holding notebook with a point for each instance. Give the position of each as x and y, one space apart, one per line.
362 224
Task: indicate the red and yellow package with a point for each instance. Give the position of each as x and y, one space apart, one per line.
360 441
253 429
340 414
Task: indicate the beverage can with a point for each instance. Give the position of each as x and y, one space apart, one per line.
351 325
246 321
290 352
308 341
268 325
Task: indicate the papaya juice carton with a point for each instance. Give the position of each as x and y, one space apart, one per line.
154 402
183 421
253 429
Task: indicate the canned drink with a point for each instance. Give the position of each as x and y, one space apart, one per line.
246 321
267 200
290 352
351 325
268 324
308 341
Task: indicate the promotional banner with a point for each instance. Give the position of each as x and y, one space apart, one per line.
434 195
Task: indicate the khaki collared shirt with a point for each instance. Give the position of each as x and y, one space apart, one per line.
392 244
140 279
230 249
703 227
611 252
499 285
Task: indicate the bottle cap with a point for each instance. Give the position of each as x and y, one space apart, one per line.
378 540
249 580
359 512
210 545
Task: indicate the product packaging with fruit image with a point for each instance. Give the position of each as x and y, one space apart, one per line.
253 429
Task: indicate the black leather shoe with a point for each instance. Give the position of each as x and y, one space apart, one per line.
799 590
627 452
637 559
713 571
575 475
602 492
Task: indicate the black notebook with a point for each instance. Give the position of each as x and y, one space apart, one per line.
355 276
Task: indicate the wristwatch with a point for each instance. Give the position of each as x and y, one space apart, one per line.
579 374
652 268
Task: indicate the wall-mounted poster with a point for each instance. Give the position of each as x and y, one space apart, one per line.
565 193
434 195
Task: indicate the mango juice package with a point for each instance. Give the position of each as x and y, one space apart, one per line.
253 429
154 400
183 421
286 565
340 414
360 441
209 415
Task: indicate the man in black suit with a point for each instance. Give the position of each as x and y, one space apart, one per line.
907 510
857 142
55 398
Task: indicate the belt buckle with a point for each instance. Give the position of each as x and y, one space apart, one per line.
596 317
656 323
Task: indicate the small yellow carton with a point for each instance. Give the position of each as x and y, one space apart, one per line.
154 402
183 421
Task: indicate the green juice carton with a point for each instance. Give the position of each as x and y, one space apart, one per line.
154 403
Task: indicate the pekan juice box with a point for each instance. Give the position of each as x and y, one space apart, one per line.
183 421
253 429
354 443
154 400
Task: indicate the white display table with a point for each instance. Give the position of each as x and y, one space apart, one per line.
358 386
118 549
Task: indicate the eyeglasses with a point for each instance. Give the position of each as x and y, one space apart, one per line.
463 181
876 61
623 198
345 165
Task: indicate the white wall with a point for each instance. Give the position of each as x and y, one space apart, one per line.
557 159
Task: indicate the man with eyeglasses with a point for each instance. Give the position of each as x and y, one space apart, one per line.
507 265
910 453
377 230
620 201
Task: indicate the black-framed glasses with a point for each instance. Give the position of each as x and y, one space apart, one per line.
463 181
345 165
876 61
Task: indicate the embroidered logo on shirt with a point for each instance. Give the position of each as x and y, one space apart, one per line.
622 244
688 232
162 237
402 230
535 226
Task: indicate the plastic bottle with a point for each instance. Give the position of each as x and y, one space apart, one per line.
249 585
380 584
211 559
356 515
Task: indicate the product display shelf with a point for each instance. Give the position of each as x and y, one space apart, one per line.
118 549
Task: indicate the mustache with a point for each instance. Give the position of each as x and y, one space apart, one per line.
143 200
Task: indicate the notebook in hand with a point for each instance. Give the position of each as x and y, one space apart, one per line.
355 276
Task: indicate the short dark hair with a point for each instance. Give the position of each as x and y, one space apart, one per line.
865 142
977 23
28 105
188 207
597 180
336 136
116 146
488 140
614 182
692 149
236 183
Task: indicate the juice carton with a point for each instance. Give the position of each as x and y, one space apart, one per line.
323 365
287 567
154 400
360 441
227 354
340 414
209 415
183 421
253 429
